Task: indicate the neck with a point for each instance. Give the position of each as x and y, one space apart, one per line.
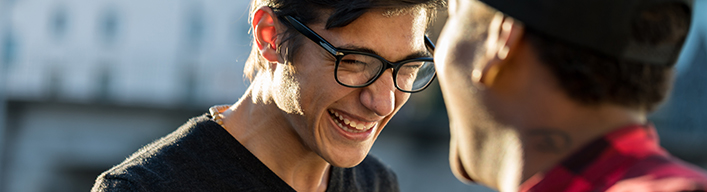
570 127
262 128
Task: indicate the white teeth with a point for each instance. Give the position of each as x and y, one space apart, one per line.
358 127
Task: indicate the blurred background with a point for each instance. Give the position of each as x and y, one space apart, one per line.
83 84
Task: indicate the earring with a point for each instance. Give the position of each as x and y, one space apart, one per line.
503 53
476 76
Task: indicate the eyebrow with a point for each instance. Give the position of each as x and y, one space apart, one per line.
414 55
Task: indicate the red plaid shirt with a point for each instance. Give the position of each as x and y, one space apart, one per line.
628 159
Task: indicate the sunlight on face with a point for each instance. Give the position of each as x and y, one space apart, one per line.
340 123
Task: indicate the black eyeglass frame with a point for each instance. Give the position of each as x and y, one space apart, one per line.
340 53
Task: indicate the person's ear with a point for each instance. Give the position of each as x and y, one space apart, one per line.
265 33
502 43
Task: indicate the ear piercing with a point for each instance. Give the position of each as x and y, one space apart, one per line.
476 76
503 52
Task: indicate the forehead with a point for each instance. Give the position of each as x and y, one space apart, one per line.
392 36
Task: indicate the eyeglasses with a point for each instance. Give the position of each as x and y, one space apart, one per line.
358 69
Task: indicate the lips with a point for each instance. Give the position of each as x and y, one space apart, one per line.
350 125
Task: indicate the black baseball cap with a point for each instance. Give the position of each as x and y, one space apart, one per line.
600 25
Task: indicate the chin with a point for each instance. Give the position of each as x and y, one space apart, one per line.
345 157
347 163
457 167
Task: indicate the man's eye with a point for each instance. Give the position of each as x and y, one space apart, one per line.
352 65
413 66
410 68
353 62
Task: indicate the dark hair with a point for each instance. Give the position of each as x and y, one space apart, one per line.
593 78
342 13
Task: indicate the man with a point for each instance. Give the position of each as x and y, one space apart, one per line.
326 78
552 95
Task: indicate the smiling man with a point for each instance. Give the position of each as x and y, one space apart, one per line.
327 76
552 95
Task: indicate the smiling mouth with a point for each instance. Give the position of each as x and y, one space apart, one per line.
349 125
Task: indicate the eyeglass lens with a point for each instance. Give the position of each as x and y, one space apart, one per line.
360 70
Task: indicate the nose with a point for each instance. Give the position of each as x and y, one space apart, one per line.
379 97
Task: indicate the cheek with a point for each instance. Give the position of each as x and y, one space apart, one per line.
455 60
462 57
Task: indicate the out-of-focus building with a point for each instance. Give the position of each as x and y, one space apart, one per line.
83 84
86 83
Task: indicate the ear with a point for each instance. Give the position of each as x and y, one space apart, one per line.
502 43
265 33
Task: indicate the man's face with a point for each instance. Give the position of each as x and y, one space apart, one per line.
481 148
327 112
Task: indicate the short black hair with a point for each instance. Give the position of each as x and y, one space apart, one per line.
593 78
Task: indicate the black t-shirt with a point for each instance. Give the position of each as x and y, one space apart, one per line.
202 156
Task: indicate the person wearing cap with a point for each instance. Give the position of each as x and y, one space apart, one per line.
552 95
326 77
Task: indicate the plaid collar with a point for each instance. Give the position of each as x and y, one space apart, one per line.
601 163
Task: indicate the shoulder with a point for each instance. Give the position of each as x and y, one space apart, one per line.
662 173
194 157
124 179
151 166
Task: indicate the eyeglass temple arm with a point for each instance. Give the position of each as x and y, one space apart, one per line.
299 26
